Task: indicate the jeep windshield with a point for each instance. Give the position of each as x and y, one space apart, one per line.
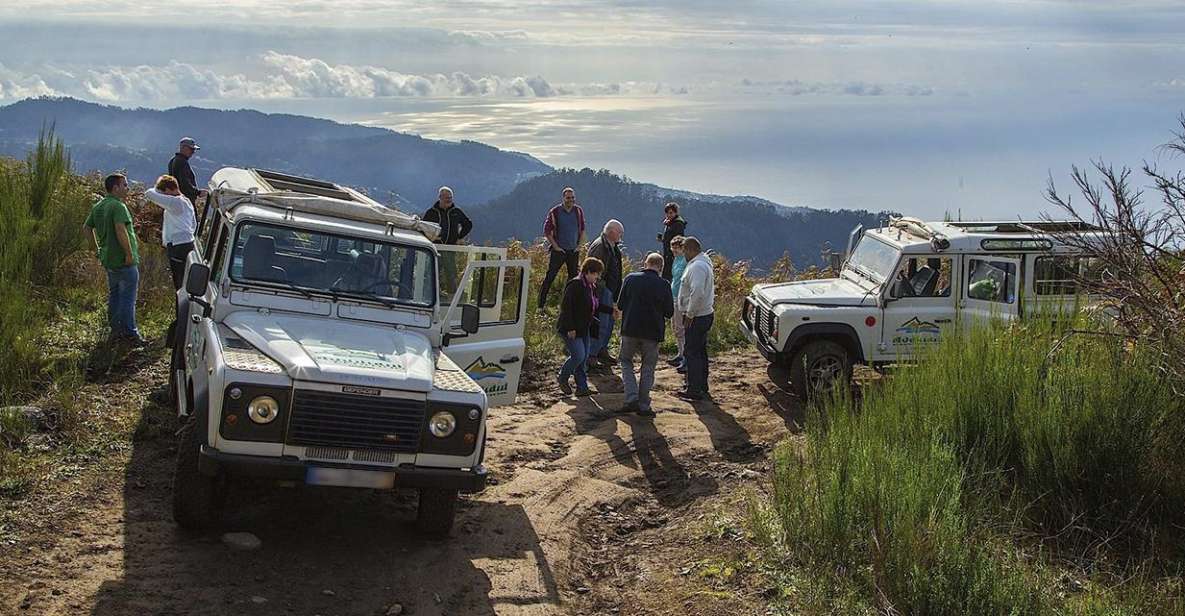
873 259
308 261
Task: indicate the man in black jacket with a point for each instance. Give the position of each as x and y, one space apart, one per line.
179 168
454 227
645 304
454 224
607 248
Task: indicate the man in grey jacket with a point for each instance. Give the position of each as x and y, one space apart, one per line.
697 297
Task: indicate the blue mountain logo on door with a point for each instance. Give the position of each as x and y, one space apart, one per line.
918 326
480 369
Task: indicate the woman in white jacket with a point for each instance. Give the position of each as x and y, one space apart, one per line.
179 225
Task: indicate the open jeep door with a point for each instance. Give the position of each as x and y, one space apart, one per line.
481 276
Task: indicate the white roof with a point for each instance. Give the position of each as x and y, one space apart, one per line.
912 235
288 193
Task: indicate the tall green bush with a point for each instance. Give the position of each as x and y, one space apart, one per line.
43 207
923 494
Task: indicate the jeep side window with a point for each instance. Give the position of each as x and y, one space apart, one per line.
991 281
214 230
1063 275
219 256
922 277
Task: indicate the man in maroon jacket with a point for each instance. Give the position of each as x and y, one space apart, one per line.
564 230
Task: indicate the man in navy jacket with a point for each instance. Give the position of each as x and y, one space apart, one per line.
645 304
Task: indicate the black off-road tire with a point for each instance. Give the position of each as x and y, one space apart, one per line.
437 510
818 366
197 499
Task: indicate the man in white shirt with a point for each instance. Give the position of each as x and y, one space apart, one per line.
178 226
695 305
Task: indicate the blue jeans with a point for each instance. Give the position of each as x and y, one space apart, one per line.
695 354
606 327
122 286
577 356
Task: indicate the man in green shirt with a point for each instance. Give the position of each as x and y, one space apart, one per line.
110 226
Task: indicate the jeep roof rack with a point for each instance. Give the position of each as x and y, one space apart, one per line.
1019 226
292 193
309 186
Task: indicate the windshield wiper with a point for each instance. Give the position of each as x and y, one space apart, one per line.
293 287
386 301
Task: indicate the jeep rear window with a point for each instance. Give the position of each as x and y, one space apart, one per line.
311 261
1065 275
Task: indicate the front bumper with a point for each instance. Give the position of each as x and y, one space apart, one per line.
768 352
288 468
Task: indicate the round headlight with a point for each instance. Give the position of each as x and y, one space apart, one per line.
263 410
442 424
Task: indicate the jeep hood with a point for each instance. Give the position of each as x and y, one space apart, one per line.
826 292
312 349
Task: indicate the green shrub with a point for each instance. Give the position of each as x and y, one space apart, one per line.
43 207
920 494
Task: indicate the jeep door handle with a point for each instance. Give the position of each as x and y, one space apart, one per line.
510 360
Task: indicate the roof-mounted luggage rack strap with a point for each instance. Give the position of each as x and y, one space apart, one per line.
915 227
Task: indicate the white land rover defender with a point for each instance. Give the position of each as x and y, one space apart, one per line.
904 285
323 339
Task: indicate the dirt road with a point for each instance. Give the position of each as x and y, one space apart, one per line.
586 506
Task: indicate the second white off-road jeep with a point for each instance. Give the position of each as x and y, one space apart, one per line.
317 343
903 286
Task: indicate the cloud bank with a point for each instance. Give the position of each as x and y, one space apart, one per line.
14 85
289 76
277 75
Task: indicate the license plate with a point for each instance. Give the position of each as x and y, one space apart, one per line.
349 478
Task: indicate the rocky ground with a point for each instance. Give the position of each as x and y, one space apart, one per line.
589 513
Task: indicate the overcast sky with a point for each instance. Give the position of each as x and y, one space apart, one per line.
919 106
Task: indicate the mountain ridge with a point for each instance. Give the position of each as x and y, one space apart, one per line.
100 136
505 192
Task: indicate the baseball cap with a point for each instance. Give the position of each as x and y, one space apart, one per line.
188 141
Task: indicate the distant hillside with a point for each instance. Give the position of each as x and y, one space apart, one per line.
405 170
378 160
738 227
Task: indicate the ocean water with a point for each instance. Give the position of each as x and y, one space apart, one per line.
974 157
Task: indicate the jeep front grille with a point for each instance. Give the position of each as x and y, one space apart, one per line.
763 322
327 419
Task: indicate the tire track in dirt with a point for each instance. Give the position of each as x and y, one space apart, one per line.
519 548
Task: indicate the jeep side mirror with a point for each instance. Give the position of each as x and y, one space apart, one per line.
470 318
197 279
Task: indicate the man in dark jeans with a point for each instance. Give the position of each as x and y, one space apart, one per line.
564 230
454 227
697 296
645 304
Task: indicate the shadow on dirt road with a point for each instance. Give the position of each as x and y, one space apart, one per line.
325 551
